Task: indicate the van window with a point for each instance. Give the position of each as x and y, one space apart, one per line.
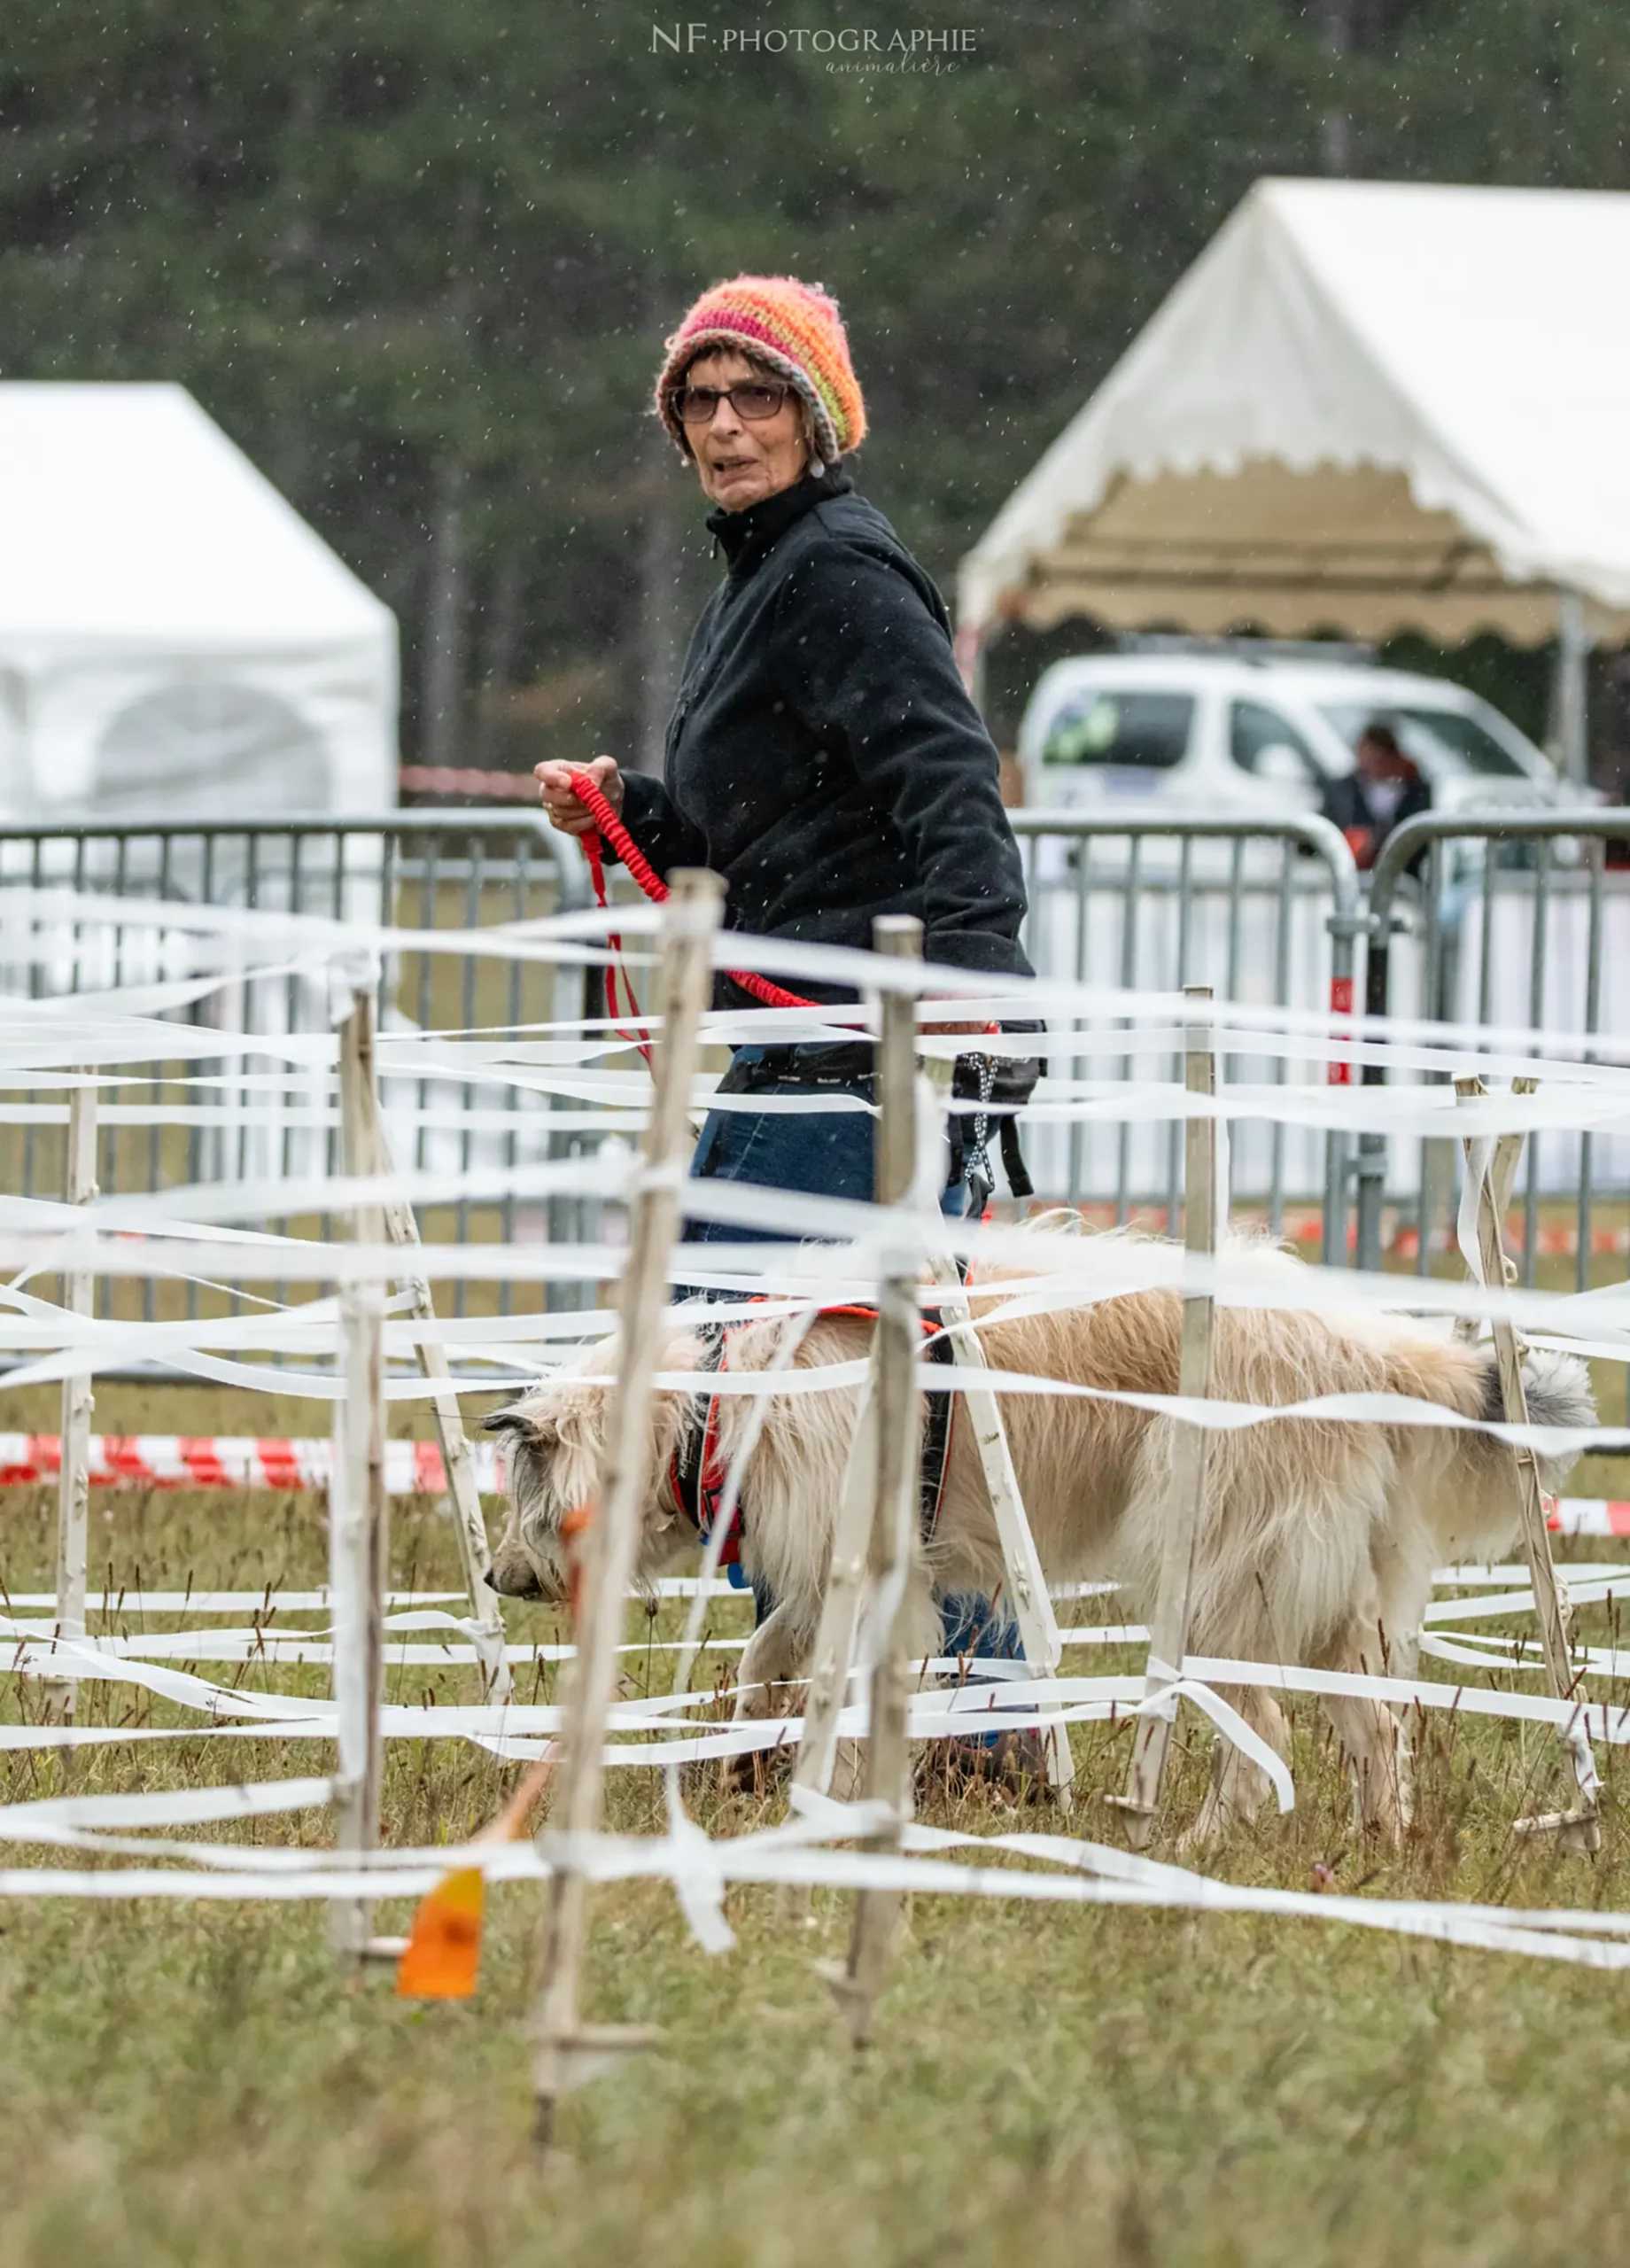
1253 727
1423 734
1147 729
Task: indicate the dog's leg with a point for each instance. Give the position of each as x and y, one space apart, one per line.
1377 1757
776 1653
1238 1788
1371 1733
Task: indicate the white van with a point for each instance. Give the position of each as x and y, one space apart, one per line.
1177 730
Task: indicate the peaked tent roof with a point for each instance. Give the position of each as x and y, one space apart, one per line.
1367 406
130 517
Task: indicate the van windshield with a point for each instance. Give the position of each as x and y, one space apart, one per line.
1426 733
1145 729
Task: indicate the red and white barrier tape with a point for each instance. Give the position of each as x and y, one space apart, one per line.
177 1461
1587 1516
1305 1224
1553 1243
411 1468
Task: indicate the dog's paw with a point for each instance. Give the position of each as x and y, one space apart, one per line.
1009 1770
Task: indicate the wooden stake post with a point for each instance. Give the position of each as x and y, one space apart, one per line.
1026 1582
485 1624
1493 1173
897 1437
834 1650
569 2051
1169 1628
74 1480
1502 1179
1025 1577
358 1523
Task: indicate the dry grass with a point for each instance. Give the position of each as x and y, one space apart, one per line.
194 2083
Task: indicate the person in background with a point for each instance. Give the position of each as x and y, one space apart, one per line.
1383 789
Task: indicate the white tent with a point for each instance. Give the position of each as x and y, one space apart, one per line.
1369 407
175 641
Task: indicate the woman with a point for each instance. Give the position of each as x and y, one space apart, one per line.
823 756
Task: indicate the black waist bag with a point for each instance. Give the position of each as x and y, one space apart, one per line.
848 1065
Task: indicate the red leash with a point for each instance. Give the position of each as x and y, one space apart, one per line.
609 829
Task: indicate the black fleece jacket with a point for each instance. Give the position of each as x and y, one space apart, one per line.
823 756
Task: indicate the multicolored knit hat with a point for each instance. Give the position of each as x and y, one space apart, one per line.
795 330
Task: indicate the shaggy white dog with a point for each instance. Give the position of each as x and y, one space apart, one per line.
1318 1541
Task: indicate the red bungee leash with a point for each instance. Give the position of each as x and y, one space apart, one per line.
609 829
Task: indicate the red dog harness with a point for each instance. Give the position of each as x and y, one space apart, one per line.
696 1470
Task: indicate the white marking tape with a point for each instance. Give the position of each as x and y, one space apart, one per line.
1061 1871
52 1043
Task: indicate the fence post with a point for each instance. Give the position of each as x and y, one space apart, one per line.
486 1624
1345 926
1026 1578
1168 1625
1571 692
359 1515
1500 1179
894 1492
569 2051
73 1480
832 1654
1371 1172
1581 1828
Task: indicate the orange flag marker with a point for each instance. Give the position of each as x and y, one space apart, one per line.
443 1956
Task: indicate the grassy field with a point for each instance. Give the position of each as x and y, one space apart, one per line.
195 2083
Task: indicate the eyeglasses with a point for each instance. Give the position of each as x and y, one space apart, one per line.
696 405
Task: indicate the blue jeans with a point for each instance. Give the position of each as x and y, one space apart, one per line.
818 1153
826 1154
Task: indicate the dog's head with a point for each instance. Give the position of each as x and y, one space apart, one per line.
554 1450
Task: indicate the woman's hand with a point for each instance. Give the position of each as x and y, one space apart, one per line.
560 800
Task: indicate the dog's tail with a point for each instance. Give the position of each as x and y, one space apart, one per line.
1467 1378
1559 1394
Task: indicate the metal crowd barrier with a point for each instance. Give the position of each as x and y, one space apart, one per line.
1268 913
411 869
1503 920
1518 922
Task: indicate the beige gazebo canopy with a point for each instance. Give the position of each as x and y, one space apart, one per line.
1369 407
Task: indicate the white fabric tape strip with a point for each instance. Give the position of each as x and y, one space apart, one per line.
1062 1871
270 1602
319 938
1077 1699
1050 1270
1247 1027
99 1033
304 1096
